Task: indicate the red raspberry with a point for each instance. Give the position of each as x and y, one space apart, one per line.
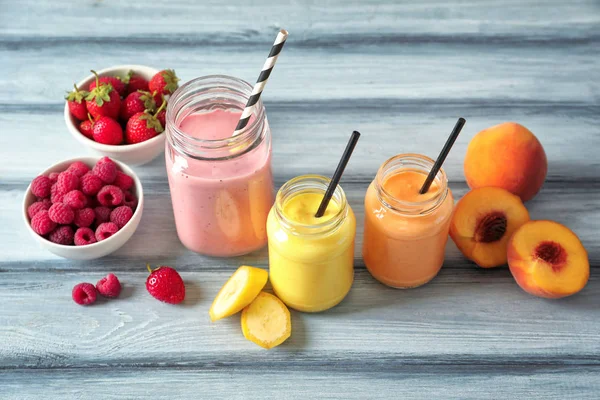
42 224
75 199
84 294
46 201
37 207
92 202
130 200
121 216
40 186
84 217
78 168
106 230
84 236
53 176
62 235
67 181
110 195
91 184
124 181
106 170
56 195
102 214
109 286
61 213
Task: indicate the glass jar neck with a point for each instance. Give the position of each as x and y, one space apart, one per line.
206 94
310 184
415 163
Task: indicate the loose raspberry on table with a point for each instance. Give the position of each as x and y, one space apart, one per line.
61 213
121 215
84 294
62 235
53 176
106 170
110 195
84 217
102 214
91 184
106 230
78 168
40 186
130 200
84 236
109 286
67 181
56 195
37 207
42 224
75 199
123 181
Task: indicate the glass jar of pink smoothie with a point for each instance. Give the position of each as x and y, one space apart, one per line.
221 185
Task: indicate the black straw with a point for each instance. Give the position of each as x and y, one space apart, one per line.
442 157
338 173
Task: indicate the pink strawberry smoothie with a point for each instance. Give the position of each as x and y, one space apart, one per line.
221 206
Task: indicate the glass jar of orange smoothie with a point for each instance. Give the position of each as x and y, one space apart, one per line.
406 232
311 260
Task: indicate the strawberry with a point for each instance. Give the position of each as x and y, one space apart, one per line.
164 82
143 126
162 118
114 81
75 100
135 82
107 131
87 127
165 284
136 102
103 100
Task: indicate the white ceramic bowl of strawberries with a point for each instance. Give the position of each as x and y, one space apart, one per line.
124 123
87 212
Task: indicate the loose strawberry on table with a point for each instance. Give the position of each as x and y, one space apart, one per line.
76 101
165 284
103 100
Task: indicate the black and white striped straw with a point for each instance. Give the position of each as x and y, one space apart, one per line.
261 81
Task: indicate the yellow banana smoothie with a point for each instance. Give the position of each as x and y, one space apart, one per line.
311 260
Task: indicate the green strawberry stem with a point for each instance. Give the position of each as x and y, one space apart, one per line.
162 106
97 77
149 269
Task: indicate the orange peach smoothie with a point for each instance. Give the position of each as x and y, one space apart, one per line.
406 232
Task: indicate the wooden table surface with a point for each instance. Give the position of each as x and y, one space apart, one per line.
399 73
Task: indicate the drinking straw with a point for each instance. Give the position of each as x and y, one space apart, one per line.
338 173
442 157
262 80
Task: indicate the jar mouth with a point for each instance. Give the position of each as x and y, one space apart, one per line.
410 162
310 184
208 93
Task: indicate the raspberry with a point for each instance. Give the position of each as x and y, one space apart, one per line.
75 199
106 230
46 201
40 186
56 195
110 195
62 235
53 176
84 217
106 170
78 168
90 184
67 181
130 200
92 202
61 213
121 216
109 286
123 181
42 224
102 214
84 236
84 294
37 207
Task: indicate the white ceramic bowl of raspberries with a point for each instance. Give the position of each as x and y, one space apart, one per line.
120 112
84 208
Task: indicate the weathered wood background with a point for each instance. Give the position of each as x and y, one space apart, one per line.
401 73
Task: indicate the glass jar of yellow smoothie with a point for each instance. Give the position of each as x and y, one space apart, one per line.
311 260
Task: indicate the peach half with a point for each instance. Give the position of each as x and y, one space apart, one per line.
483 221
548 260
508 156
